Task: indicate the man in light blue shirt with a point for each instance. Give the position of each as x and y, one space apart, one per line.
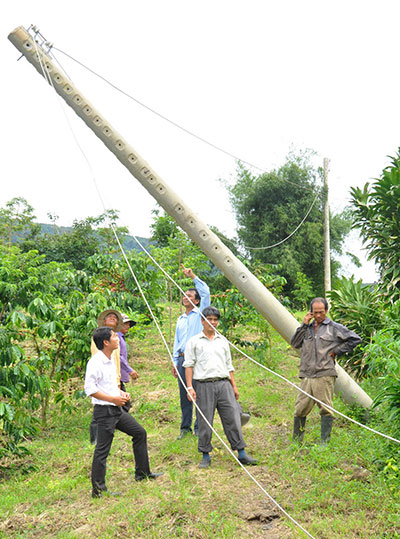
188 325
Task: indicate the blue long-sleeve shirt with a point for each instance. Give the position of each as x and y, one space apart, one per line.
190 324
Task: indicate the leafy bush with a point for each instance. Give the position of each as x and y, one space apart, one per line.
302 292
359 308
377 217
390 397
21 391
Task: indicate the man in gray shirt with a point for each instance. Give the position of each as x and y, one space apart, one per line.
208 362
319 342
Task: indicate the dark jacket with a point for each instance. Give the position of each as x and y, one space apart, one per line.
316 347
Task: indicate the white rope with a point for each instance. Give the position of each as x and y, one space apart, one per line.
187 131
170 355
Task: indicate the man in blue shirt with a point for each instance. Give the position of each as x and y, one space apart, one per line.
188 325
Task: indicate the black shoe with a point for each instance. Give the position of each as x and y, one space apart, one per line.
205 463
104 493
183 434
150 475
247 460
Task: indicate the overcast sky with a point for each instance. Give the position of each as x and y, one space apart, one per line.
255 78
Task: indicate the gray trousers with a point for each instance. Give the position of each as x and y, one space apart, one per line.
218 395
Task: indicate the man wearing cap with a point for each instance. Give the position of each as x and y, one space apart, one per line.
126 370
110 318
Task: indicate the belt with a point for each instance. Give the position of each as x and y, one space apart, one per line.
106 406
181 355
212 380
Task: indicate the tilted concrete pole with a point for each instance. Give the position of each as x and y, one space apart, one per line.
209 243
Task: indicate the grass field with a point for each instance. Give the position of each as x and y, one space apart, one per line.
339 491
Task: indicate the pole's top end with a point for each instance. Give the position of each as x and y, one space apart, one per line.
34 33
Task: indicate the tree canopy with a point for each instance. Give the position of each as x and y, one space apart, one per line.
377 216
270 206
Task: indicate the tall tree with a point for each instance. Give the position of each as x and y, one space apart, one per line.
270 206
16 220
377 216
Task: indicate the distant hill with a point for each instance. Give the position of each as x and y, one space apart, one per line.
129 242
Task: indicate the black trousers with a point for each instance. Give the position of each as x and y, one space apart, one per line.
109 418
186 404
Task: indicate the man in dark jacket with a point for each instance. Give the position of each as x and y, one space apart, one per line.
320 342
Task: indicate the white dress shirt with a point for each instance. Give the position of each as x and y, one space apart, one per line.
209 358
101 375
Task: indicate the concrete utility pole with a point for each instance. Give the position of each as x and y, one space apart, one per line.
327 241
209 243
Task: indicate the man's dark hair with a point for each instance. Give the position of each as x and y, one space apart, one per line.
319 300
100 335
196 294
211 311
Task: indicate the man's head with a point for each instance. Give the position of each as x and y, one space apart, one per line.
319 308
110 318
127 323
194 297
212 316
105 338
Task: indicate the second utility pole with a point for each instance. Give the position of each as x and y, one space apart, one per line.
327 249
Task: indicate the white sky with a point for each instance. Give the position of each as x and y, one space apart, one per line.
253 77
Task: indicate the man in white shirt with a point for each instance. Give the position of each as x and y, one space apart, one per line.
112 319
208 362
108 399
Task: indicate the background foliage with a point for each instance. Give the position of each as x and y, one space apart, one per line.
376 214
269 207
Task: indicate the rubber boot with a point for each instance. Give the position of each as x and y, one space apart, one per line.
298 428
326 428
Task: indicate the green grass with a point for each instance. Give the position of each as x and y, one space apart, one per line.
338 491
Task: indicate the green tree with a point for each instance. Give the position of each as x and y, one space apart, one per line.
163 228
270 206
377 216
303 292
16 220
